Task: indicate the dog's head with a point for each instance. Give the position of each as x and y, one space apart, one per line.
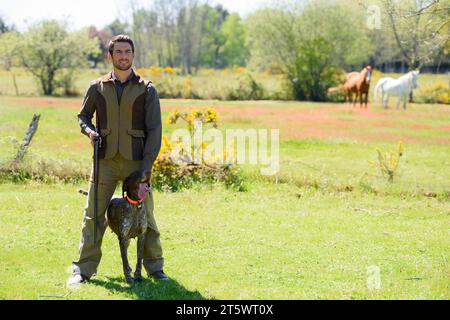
137 185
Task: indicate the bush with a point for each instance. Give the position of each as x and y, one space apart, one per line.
387 163
169 176
44 170
275 69
64 83
234 83
311 74
435 93
177 166
35 167
174 169
337 77
247 89
167 82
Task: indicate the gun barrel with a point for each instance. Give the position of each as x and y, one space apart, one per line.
96 174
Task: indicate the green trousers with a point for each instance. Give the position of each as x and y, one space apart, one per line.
110 172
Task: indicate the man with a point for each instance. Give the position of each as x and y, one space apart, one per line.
128 117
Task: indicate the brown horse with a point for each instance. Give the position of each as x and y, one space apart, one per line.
356 84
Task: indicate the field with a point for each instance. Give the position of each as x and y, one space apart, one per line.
311 232
206 84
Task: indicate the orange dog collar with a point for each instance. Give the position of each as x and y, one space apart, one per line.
134 201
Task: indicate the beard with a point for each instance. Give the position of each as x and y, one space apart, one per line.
121 66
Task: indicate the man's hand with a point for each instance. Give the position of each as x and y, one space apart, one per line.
93 136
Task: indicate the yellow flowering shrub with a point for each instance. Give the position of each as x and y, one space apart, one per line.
187 87
238 69
155 71
183 171
376 73
388 162
438 92
169 70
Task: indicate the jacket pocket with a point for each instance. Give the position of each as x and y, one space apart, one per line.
104 141
137 147
136 133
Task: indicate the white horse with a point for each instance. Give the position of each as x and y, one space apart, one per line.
400 87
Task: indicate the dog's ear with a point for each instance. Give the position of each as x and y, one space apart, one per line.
146 175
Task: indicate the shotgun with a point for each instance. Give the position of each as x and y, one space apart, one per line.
97 146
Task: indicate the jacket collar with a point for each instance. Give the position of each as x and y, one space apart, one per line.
134 77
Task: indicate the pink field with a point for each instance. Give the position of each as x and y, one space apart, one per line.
420 123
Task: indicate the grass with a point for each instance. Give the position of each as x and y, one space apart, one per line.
273 242
312 232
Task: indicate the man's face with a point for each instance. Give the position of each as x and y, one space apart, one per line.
122 56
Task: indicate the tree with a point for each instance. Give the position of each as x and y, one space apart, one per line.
52 54
235 51
212 39
102 37
420 28
219 36
186 33
385 50
117 27
167 11
309 40
189 33
144 32
8 49
4 27
9 43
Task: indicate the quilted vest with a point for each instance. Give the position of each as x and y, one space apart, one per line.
121 124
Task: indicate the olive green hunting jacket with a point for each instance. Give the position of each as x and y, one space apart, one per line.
129 124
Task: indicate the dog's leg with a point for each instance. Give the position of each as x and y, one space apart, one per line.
126 266
140 249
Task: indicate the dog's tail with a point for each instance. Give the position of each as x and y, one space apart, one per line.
83 192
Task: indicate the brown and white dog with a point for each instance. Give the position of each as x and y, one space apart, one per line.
127 218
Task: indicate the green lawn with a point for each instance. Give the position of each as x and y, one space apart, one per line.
311 232
273 242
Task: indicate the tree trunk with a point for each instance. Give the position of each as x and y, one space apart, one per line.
15 85
48 83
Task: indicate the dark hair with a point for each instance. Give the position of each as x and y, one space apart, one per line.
120 38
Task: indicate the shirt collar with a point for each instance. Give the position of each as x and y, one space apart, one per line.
114 77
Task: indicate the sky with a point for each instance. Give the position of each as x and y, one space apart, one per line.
81 13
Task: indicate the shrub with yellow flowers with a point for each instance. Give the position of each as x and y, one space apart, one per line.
239 69
179 166
438 92
388 162
187 87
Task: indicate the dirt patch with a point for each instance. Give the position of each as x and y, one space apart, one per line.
343 121
33 102
311 120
